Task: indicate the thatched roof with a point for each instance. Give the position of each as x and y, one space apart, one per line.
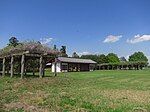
28 47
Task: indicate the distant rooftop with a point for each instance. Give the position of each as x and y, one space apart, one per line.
76 60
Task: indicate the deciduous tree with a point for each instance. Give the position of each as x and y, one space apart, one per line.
102 59
138 56
113 58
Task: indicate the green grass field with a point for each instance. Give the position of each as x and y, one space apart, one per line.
98 91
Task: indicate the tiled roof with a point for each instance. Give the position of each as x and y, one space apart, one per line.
76 60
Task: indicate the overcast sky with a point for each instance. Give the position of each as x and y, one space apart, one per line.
84 26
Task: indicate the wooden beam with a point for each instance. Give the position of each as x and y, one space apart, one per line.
4 66
30 54
12 67
22 65
15 54
41 67
33 55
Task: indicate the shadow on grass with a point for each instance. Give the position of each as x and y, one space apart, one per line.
28 75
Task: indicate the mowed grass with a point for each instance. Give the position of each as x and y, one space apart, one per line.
97 91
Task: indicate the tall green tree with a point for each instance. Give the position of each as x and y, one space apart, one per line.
13 41
138 56
102 59
55 47
63 51
113 58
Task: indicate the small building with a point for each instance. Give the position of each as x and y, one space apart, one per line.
64 64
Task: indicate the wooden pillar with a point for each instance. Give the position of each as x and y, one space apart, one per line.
78 67
132 66
22 65
43 71
68 67
55 70
12 67
4 66
107 67
41 67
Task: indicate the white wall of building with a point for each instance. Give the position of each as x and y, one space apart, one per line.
58 67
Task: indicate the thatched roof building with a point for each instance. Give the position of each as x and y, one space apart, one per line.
25 51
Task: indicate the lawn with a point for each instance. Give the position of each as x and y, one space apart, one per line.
97 91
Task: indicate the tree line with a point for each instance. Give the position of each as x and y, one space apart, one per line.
137 60
113 58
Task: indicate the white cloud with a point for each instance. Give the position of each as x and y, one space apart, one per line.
138 38
84 53
46 40
112 38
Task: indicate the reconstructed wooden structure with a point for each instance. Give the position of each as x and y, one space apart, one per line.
22 53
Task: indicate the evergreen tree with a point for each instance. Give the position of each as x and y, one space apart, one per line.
138 56
13 41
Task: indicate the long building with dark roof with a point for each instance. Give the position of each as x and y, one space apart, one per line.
64 64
